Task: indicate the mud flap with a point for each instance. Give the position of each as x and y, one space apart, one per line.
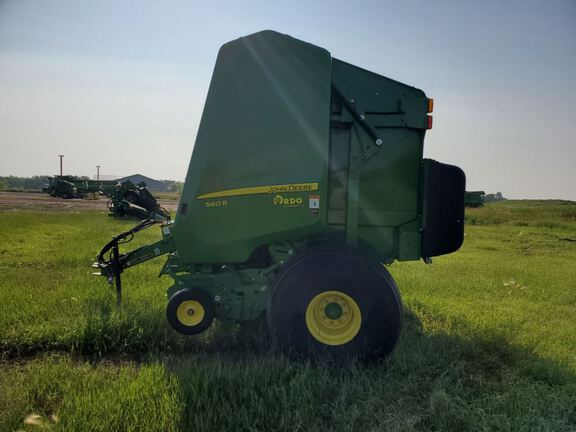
443 191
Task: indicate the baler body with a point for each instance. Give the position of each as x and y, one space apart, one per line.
284 153
307 174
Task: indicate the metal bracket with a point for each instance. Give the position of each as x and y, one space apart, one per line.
359 117
353 197
113 265
117 271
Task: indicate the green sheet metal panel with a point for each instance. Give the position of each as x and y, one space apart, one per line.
265 123
388 215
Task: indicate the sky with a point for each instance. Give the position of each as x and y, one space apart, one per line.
122 84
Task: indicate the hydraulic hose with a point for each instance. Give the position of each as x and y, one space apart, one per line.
124 237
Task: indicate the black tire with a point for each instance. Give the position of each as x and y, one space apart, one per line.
361 288
190 311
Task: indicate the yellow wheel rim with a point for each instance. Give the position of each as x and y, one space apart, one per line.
333 318
190 313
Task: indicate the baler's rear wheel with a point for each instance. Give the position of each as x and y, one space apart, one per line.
336 302
190 311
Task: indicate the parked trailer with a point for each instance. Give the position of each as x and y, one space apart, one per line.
474 198
62 186
306 177
77 187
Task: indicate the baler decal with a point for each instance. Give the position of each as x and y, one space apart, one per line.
288 202
314 205
269 189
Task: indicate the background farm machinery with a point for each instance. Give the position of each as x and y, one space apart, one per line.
130 200
125 199
474 198
77 187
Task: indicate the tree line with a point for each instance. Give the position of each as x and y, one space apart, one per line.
491 197
36 183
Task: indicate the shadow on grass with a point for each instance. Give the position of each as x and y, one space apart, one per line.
230 379
137 334
433 381
146 333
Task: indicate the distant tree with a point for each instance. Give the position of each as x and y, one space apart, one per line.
494 197
35 182
3 184
176 187
24 183
14 182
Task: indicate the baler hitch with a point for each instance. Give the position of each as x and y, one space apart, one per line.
112 263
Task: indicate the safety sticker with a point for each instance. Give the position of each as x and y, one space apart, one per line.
314 204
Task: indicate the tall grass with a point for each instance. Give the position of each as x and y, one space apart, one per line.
541 214
89 397
489 341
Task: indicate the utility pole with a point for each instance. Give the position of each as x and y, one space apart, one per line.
97 172
60 156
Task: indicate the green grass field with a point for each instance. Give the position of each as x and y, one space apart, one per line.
489 340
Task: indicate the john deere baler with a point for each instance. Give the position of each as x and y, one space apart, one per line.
306 177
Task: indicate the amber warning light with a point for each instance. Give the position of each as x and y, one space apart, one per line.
430 108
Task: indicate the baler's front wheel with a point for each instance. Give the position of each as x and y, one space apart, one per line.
190 311
335 302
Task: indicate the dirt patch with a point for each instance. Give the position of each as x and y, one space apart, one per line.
14 201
